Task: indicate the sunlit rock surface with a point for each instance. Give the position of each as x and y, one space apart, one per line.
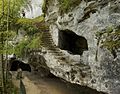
105 72
33 8
96 68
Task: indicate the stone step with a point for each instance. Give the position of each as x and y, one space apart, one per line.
57 54
47 43
54 50
63 61
60 57
46 33
85 68
48 47
87 71
46 39
47 36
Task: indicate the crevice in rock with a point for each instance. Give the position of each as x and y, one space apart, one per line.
71 42
114 53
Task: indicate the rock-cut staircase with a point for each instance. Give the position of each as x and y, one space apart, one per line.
65 67
48 43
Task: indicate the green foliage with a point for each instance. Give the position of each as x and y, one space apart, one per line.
112 42
36 41
21 46
15 6
27 21
112 38
66 5
28 43
7 36
32 26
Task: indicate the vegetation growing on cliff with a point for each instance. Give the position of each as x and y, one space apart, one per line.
28 43
67 5
110 39
32 25
33 28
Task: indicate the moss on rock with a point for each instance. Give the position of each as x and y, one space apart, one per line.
64 5
110 39
67 5
32 25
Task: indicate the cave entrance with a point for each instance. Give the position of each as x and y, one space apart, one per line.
70 41
16 64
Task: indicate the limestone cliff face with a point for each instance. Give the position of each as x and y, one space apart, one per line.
91 20
33 9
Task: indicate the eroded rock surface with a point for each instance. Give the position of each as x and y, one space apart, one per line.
97 67
98 22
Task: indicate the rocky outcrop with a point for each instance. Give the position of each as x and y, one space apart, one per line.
33 8
98 67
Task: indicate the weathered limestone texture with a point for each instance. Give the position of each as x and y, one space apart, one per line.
97 67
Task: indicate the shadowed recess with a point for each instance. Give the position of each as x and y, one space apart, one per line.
16 64
71 42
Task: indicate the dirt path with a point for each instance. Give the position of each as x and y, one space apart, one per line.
35 84
31 88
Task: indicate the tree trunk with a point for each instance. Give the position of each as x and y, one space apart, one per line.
2 60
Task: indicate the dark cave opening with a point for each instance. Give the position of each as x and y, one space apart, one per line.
72 42
16 64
